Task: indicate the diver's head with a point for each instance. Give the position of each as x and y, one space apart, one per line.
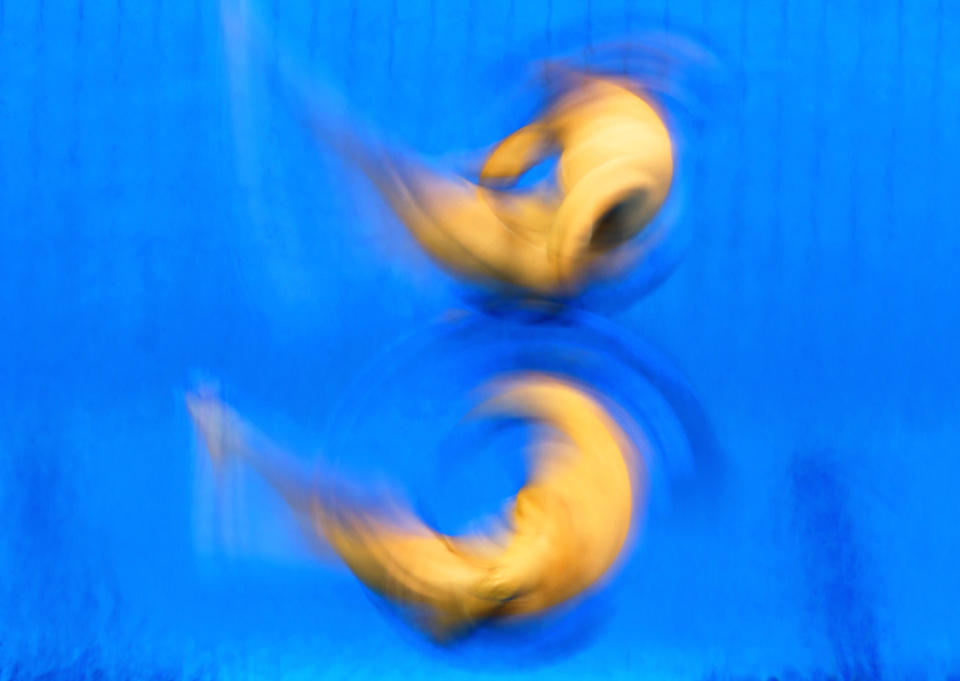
622 221
609 206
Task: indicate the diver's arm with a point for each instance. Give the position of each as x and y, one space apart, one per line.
516 154
227 436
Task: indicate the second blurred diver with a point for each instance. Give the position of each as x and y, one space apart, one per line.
562 532
614 169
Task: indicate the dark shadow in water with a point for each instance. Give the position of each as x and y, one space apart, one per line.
835 565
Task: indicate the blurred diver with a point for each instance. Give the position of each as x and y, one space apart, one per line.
614 170
565 528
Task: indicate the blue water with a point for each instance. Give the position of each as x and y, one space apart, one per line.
162 224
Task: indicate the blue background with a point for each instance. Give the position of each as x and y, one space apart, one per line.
155 231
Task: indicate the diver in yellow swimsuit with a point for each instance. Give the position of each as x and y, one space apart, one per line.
614 172
564 530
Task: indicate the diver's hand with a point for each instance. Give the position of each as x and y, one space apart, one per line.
223 432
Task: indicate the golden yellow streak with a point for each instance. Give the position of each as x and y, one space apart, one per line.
565 527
